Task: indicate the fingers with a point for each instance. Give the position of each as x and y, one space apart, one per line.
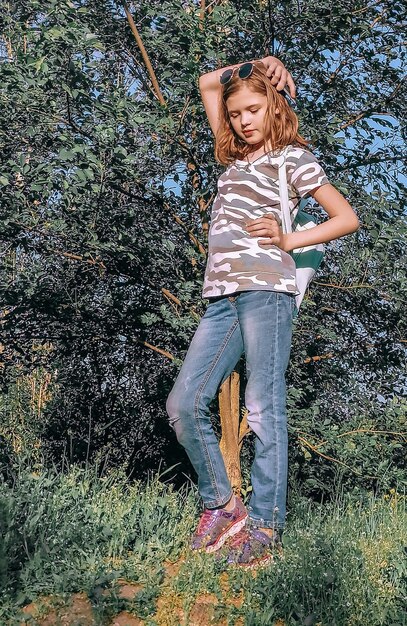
269 225
272 66
291 86
271 241
266 223
266 226
263 230
280 77
271 63
283 81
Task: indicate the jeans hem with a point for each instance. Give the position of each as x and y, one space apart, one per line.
262 523
216 504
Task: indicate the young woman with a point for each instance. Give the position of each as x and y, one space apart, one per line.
250 284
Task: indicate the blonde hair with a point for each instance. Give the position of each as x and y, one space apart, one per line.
281 128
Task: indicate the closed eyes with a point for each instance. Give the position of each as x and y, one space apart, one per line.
236 114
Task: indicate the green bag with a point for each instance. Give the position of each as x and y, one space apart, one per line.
308 258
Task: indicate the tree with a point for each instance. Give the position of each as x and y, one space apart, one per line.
105 196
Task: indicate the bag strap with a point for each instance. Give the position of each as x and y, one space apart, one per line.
283 189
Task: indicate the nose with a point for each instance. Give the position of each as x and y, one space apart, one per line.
245 119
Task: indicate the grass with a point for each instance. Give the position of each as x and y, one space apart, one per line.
344 563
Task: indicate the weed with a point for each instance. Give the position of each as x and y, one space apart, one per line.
343 562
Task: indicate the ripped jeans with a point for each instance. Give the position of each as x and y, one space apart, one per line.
258 324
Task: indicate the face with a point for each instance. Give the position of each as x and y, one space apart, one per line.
247 110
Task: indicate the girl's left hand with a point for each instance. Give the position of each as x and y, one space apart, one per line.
279 76
267 226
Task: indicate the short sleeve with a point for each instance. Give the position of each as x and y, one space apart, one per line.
304 172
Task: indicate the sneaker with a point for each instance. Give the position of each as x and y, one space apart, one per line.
252 548
217 525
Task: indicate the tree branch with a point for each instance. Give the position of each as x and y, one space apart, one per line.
144 54
377 109
77 257
361 286
402 434
312 359
159 350
165 206
202 14
369 161
70 121
369 430
332 459
170 296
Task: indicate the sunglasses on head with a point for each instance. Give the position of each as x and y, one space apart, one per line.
243 71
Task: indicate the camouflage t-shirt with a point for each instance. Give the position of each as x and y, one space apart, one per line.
235 260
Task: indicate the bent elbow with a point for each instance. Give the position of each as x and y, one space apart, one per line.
355 223
351 220
203 82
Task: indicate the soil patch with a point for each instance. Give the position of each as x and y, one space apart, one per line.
126 619
77 612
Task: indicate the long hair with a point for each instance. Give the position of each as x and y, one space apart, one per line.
281 129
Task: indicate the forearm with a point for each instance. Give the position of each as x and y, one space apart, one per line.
276 71
334 228
342 221
211 80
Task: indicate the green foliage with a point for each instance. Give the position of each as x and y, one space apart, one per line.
58 529
100 220
343 562
328 559
361 446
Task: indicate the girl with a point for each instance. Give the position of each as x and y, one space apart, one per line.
250 284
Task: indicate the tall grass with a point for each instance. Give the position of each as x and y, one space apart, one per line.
344 563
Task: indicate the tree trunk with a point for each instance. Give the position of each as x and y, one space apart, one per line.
233 430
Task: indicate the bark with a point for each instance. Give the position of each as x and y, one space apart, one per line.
233 430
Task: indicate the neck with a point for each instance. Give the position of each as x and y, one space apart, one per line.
258 147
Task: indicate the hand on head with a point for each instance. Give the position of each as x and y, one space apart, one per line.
280 78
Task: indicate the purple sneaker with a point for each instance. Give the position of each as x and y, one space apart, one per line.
217 525
251 547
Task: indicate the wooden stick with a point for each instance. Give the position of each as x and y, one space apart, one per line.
144 54
78 257
170 296
159 350
311 359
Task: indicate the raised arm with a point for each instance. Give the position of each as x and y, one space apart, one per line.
210 86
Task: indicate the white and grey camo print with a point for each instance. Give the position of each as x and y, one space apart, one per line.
235 260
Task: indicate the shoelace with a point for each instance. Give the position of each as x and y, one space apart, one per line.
243 536
207 520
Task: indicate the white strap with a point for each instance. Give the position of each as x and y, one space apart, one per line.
283 189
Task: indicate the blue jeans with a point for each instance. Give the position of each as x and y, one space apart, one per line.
258 324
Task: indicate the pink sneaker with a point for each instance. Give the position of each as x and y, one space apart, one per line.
252 547
217 525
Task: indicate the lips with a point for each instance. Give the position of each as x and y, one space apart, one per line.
247 133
